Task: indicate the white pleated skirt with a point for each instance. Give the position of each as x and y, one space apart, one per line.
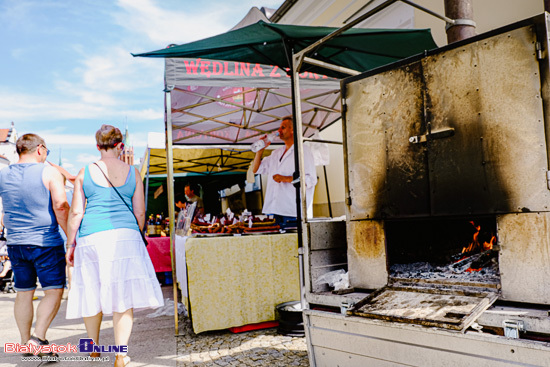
112 273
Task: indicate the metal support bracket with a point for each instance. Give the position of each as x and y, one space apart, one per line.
345 306
512 328
467 22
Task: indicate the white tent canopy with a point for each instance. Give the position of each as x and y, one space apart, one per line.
225 102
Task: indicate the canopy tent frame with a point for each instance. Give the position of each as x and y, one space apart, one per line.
262 110
295 61
217 161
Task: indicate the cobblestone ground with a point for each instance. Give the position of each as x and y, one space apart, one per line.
251 348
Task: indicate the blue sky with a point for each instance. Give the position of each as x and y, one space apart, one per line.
66 68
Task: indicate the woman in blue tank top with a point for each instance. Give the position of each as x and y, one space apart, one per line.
113 274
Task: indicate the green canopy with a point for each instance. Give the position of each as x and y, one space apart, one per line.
272 44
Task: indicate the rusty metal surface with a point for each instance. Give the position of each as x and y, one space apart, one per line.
489 92
543 47
387 175
367 254
450 309
524 258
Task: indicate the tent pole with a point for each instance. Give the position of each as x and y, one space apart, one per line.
328 193
171 200
147 181
301 204
297 127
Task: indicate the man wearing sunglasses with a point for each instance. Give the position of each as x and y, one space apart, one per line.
35 205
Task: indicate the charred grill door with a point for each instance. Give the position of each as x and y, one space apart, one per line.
457 133
434 137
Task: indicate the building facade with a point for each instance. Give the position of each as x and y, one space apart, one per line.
8 152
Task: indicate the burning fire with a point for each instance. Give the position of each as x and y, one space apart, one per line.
476 245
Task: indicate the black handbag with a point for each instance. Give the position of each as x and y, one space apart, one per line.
125 203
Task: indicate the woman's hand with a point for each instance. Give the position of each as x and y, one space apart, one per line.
69 256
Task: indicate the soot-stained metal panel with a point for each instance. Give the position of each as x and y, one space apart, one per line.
387 175
524 241
367 261
489 93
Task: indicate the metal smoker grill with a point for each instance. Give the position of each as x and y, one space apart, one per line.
457 135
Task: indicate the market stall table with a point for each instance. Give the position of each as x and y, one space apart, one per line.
238 280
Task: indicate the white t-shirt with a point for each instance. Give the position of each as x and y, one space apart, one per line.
280 198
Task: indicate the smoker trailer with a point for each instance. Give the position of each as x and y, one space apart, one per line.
448 211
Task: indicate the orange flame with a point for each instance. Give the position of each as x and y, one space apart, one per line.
475 245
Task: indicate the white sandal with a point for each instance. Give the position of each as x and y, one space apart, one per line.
122 360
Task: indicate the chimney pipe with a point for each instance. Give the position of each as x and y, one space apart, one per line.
463 14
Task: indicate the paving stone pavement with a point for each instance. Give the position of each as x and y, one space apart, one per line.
153 342
251 348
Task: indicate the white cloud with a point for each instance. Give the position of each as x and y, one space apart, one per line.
165 26
53 138
147 114
139 139
18 53
24 107
67 164
86 158
115 70
108 78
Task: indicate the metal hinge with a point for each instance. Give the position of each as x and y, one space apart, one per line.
348 201
345 306
538 48
512 328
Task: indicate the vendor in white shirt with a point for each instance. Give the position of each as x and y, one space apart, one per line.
280 195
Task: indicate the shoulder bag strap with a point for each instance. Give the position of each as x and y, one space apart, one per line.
124 201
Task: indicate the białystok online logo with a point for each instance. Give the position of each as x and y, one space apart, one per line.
84 346
88 346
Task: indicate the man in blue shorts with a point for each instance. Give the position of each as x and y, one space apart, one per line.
35 204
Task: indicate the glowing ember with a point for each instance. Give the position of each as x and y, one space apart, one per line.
475 262
471 270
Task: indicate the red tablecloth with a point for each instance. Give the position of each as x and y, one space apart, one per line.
159 251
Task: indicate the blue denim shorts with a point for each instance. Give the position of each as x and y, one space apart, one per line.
29 262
